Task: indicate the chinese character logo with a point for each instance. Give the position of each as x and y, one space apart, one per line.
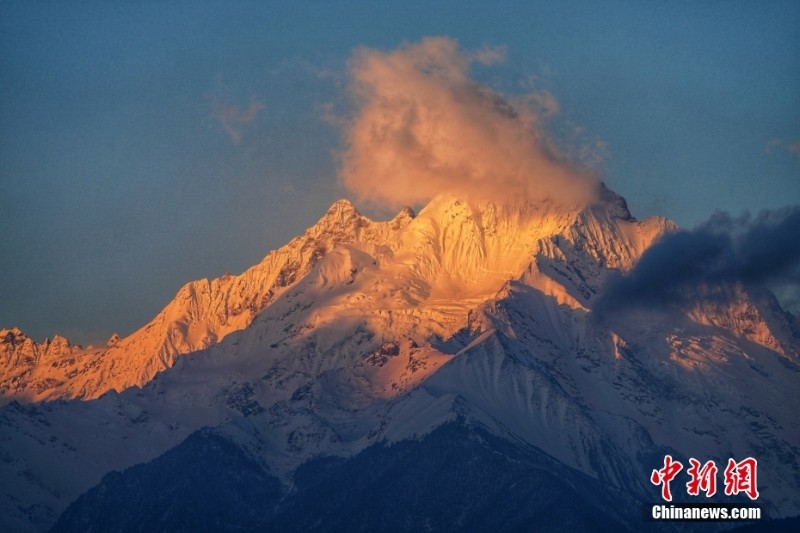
664 476
739 477
704 478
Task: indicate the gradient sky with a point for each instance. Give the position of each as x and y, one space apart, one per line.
146 144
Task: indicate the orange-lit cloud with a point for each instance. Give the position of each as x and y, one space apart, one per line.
423 127
233 118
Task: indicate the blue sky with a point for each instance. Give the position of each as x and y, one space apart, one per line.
146 144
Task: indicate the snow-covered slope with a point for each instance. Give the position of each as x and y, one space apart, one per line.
468 311
202 313
19 354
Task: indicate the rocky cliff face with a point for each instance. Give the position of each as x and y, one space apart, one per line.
19 352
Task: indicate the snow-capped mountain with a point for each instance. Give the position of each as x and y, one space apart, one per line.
202 313
469 321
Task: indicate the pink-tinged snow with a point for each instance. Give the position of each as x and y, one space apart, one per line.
359 332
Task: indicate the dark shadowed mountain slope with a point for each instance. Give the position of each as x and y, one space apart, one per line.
457 478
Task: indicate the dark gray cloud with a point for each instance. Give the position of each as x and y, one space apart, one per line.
762 250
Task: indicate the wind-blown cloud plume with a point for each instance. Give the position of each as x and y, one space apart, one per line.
423 127
761 250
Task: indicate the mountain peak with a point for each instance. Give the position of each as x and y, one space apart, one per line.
342 206
12 336
406 212
615 202
113 340
341 214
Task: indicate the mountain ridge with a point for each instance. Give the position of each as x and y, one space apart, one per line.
469 311
201 313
